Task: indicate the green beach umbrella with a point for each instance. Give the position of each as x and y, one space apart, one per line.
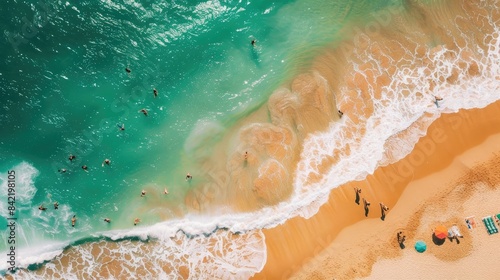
420 246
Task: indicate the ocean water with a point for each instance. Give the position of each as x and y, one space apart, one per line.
65 91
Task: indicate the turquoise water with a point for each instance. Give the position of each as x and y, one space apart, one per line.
65 91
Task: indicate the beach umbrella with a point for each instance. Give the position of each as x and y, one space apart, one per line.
420 246
441 232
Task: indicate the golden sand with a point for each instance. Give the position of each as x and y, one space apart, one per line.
339 242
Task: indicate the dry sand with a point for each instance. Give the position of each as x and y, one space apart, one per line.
453 172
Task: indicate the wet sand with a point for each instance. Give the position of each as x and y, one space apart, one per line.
440 181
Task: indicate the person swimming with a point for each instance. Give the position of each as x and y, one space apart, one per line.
106 161
143 193
128 70
253 42
107 220
121 127
144 111
73 221
165 191
155 92
63 170
85 168
42 208
136 221
56 205
71 157
189 177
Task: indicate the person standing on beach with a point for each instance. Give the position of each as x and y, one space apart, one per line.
366 206
165 191
383 209
189 177
73 221
358 191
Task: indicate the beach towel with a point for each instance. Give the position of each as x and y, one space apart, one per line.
490 225
471 222
454 231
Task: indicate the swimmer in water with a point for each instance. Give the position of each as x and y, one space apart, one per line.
73 221
56 205
85 168
144 111
189 177
155 92
71 157
121 127
165 191
128 70
136 221
143 193
42 208
107 220
106 161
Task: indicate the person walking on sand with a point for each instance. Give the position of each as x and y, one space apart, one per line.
56 205
136 221
366 206
383 210
155 92
107 220
144 111
106 161
246 155
358 191
143 193
189 177
340 113
71 157
73 221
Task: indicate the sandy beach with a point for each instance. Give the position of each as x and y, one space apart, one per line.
452 173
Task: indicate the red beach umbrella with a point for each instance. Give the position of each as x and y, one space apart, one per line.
441 232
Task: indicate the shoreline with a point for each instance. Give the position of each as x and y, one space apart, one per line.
294 247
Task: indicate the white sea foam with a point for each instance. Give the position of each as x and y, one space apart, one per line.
25 188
